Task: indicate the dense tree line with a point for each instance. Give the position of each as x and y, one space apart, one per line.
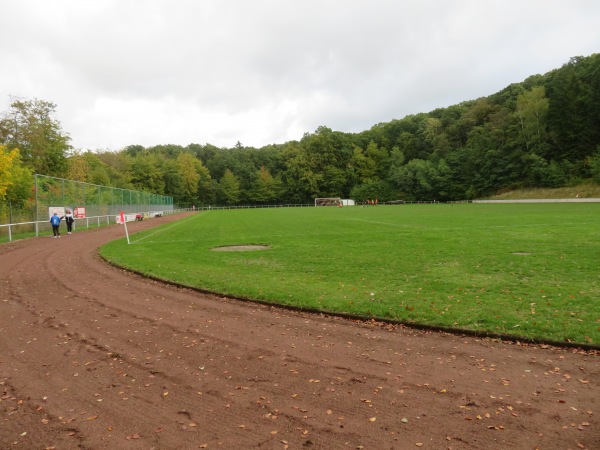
542 132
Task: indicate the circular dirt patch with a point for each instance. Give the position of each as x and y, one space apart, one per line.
240 248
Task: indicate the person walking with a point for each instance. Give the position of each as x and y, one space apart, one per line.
69 219
55 221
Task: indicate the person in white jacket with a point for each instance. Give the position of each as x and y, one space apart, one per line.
69 219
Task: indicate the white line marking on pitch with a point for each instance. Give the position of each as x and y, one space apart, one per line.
163 229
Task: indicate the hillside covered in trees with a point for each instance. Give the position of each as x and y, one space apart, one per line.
542 132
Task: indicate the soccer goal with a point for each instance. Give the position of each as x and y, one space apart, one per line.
328 201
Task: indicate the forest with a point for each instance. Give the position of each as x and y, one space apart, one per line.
541 132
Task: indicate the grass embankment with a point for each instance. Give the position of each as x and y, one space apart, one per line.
589 190
528 270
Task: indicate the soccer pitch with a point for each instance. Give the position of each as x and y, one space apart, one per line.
527 270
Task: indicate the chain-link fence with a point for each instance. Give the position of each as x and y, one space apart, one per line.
89 203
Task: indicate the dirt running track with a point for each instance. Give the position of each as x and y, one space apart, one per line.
92 357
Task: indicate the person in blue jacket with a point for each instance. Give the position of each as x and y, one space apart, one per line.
55 221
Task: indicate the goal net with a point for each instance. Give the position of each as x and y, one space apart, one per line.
328 201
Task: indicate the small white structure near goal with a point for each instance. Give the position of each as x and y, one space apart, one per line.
333 201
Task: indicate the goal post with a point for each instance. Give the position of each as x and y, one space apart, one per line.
328 201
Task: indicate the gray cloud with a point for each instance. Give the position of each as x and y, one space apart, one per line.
220 71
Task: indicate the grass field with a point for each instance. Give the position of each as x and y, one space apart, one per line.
528 270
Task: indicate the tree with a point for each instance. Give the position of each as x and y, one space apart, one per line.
542 173
407 144
79 167
380 156
15 179
362 167
20 190
326 155
229 188
173 180
265 188
189 178
574 109
381 190
8 160
115 168
206 190
302 183
30 127
147 173
423 180
532 109
594 165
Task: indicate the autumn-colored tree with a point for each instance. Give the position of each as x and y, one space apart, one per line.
79 167
8 159
265 188
15 179
189 178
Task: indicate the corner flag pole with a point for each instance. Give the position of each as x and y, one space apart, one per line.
124 222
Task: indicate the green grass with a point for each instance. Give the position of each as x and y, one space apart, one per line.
528 270
15 236
588 190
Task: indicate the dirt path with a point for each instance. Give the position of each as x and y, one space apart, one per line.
93 357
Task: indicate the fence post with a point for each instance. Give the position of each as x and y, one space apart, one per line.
37 216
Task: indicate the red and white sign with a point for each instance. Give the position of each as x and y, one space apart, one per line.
79 212
122 219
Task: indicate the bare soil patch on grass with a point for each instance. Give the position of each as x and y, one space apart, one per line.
240 248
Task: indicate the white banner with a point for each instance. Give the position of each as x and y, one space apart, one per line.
60 210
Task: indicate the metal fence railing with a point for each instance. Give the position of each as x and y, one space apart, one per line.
19 230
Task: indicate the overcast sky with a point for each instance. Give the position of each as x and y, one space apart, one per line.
149 72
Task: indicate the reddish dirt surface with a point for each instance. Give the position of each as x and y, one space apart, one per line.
94 357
